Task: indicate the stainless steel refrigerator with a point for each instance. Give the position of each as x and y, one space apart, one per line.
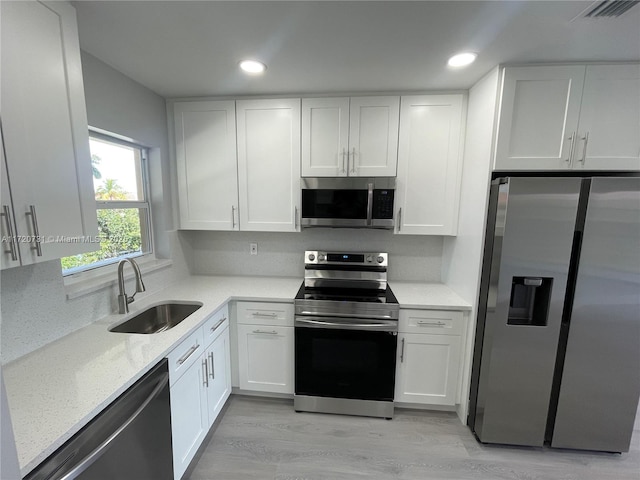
557 348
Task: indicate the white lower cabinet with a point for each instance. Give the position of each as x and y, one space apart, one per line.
265 347
200 380
189 421
428 362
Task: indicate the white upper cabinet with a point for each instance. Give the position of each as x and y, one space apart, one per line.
569 117
205 136
609 129
429 164
269 164
10 251
45 131
325 137
538 117
355 136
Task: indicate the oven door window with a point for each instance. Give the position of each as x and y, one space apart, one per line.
338 204
345 363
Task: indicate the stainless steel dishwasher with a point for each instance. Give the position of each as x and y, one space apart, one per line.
129 440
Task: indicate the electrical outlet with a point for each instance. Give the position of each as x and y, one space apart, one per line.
253 248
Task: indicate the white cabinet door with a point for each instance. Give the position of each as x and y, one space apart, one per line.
219 371
45 131
609 129
373 136
538 122
269 164
189 423
205 135
10 251
325 137
427 368
429 164
265 358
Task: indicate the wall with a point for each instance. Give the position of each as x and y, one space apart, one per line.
462 255
411 257
34 307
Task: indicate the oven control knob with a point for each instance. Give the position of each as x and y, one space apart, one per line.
312 257
380 259
369 259
321 256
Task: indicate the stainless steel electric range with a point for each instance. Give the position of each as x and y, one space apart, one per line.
346 327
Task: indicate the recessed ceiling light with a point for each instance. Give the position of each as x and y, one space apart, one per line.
252 66
462 59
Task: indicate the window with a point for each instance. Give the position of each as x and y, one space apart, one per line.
119 180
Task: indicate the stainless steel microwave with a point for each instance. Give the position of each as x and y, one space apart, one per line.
348 202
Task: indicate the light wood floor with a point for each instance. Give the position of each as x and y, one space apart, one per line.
264 439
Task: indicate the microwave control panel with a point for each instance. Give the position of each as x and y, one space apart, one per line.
383 204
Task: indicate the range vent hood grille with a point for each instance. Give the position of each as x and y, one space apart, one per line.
610 8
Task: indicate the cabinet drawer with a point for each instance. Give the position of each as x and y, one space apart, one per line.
436 322
185 354
215 325
264 313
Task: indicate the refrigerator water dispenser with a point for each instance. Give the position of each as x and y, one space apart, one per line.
529 302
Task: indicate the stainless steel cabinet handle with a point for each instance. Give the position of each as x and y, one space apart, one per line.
344 156
584 151
573 144
433 324
402 352
205 372
13 248
184 358
213 371
353 161
218 324
92 457
400 219
272 332
260 314
233 216
295 217
36 231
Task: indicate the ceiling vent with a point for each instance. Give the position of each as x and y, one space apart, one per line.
609 8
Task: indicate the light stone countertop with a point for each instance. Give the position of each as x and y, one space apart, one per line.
56 390
432 296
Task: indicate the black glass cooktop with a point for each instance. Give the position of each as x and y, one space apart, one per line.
347 295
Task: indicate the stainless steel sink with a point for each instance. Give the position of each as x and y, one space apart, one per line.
157 318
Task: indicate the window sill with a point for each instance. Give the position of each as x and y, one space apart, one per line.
84 283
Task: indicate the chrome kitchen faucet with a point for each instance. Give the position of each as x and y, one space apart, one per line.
123 299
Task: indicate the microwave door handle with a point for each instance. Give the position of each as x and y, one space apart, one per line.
370 204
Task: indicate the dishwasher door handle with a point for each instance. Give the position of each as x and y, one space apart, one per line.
101 449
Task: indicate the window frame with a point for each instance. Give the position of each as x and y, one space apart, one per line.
144 206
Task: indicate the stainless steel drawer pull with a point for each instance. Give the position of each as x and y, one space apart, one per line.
218 324
295 217
400 219
36 231
205 373
433 324
260 314
213 371
272 332
402 352
344 155
13 248
233 216
353 161
184 358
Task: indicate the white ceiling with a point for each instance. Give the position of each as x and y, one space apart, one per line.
183 48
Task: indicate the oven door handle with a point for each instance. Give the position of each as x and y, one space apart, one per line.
372 325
